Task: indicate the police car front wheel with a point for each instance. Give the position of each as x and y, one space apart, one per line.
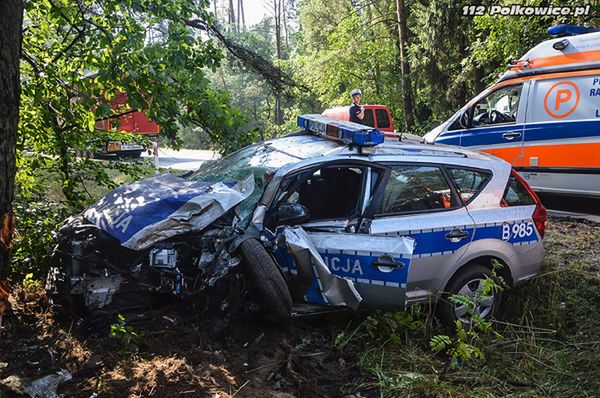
266 280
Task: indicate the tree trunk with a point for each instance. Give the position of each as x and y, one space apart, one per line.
407 100
215 10
277 19
238 15
285 28
242 16
11 20
231 19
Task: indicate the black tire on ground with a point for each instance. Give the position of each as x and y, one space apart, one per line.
267 280
446 310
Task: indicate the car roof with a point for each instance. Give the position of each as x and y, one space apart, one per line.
305 146
312 150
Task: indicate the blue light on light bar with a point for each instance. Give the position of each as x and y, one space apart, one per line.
350 133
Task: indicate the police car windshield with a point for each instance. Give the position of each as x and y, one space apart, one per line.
256 159
263 158
260 160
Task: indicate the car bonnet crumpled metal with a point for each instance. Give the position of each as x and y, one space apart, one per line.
156 208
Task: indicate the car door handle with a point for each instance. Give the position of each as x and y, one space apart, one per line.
511 135
387 261
456 235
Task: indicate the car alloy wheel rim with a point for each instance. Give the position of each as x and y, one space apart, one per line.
483 304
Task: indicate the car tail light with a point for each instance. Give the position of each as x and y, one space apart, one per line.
540 218
540 215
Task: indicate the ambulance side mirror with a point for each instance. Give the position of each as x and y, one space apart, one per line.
463 120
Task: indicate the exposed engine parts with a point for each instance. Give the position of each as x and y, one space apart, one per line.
89 263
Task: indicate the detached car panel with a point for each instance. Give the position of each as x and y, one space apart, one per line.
343 221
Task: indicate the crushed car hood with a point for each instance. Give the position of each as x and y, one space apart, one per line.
156 208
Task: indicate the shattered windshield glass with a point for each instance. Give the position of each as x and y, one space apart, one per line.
260 160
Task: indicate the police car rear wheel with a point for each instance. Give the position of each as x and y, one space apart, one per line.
470 283
266 279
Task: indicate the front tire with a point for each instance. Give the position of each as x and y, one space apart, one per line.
267 280
468 282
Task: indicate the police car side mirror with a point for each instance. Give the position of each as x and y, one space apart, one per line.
292 214
463 120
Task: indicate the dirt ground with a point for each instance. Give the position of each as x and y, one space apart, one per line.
250 358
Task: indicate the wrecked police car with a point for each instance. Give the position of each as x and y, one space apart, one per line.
329 215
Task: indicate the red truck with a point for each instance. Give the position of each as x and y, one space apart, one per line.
134 122
377 116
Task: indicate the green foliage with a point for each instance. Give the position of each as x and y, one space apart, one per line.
77 57
29 283
250 94
440 342
128 338
460 348
34 240
464 346
384 327
356 49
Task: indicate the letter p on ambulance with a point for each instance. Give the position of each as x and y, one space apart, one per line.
562 96
562 99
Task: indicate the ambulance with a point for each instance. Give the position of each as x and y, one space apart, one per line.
542 115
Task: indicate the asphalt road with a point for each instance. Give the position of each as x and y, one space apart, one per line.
569 206
184 159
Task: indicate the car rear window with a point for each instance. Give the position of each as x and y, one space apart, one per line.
383 119
469 182
516 194
416 188
368 118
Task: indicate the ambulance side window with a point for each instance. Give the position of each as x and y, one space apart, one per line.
498 107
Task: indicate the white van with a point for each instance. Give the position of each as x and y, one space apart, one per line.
542 116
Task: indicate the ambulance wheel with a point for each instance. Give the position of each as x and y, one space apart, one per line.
468 282
266 279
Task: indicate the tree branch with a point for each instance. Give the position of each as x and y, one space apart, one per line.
274 76
117 115
30 61
80 35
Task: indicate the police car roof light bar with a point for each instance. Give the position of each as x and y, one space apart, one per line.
348 132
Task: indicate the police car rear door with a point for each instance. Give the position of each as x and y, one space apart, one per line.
419 201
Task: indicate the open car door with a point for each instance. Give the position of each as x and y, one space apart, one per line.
329 256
